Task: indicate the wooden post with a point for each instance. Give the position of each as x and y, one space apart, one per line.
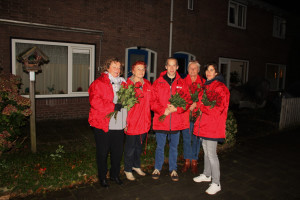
32 116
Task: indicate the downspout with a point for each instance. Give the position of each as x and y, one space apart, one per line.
171 30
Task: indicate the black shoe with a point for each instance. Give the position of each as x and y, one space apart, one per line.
104 183
117 180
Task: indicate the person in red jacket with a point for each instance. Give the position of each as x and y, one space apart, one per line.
210 126
108 132
138 121
192 144
166 85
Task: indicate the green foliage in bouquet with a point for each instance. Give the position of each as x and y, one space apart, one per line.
206 101
177 101
127 96
194 91
14 112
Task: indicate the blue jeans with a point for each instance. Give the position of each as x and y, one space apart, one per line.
173 152
191 143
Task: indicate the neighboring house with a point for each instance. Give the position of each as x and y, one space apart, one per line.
246 37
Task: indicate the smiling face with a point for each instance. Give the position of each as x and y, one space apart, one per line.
139 71
171 67
210 72
114 69
193 70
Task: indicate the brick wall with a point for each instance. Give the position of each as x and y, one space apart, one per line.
62 108
202 32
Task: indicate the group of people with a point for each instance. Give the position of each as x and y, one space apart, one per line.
208 129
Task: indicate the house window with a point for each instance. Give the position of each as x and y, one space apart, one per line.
276 75
279 27
235 71
191 4
183 59
134 54
237 15
69 72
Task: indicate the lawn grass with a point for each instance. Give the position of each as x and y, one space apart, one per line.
24 173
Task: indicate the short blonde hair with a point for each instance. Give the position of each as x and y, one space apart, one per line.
196 63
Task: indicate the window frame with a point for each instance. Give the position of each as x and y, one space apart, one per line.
148 62
71 47
283 67
228 61
236 16
279 27
188 56
190 4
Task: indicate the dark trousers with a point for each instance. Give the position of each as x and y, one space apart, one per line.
111 142
133 150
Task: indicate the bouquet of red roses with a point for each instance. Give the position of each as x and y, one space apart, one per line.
210 98
128 96
195 89
177 100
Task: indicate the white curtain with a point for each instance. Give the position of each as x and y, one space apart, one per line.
54 76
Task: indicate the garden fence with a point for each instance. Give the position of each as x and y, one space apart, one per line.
290 113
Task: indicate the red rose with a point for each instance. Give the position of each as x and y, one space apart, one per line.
138 84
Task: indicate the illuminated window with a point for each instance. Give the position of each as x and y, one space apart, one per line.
69 72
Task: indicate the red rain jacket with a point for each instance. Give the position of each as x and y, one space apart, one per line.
139 116
212 123
101 97
161 93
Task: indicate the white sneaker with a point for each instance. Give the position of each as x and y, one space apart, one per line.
129 176
213 188
139 171
202 178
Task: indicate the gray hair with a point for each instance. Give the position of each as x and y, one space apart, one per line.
196 63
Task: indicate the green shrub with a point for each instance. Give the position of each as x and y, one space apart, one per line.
231 129
14 111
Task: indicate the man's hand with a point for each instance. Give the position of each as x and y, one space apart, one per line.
167 112
172 108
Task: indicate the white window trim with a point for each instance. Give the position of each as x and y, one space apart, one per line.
190 4
236 16
227 61
71 47
282 29
148 67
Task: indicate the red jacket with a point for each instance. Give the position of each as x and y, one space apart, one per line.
212 123
101 97
161 93
139 116
188 82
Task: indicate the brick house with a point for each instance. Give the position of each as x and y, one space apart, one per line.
247 38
